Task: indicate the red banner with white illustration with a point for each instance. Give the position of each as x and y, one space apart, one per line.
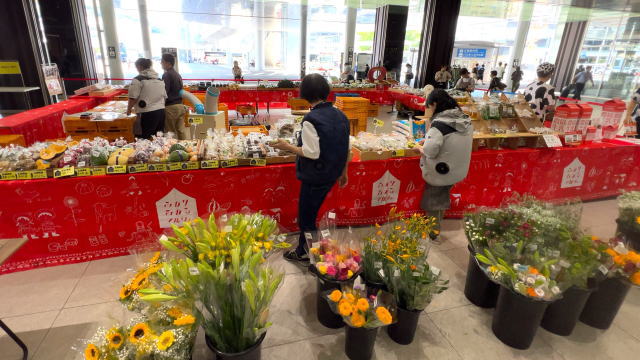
85 218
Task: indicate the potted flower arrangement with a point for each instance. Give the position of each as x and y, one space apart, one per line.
363 315
224 271
629 219
335 262
622 269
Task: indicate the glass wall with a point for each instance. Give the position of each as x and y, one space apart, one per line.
412 38
611 46
326 27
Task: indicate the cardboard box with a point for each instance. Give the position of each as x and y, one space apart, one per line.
359 155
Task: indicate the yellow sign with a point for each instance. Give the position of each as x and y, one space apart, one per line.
9 175
83 171
157 167
258 162
229 163
65 171
10 68
196 120
209 164
38 174
175 166
138 168
191 165
116 169
398 153
23 175
98 171
378 123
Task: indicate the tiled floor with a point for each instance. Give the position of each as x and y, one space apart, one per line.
53 309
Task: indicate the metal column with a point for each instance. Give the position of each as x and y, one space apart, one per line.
303 40
144 28
350 32
111 40
515 59
259 14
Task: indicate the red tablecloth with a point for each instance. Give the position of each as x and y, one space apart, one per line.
408 100
283 95
79 219
43 123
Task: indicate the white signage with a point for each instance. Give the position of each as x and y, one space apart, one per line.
573 174
176 208
385 190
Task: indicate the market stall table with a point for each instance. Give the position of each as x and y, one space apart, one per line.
84 218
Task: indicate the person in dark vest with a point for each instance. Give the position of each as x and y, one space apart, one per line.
322 150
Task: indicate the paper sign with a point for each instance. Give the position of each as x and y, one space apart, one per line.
573 174
66 171
138 168
196 120
10 68
229 163
209 164
175 166
98 171
308 236
157 167
116 169
9 175
325 233
176 208
23 175
258 162
378 123
83 171
385 190
194 271
552 140
192 165
38 174
398 153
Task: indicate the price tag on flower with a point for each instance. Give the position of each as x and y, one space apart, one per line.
228 229
325 233
194 271
564 263
603 269
396 273
490 221
308 236
377 265
435 271
331 215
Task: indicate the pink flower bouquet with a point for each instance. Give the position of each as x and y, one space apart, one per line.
334 259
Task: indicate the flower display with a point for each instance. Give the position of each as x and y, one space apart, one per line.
358 310
335 259
629 219
619 261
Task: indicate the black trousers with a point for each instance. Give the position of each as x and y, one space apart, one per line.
578 91
441 85
152 122
311 199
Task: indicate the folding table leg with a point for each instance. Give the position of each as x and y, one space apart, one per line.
25 351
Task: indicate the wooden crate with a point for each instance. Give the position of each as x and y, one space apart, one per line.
298 104
125 124
15 139
73 124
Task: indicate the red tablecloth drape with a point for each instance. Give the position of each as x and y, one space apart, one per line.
79 219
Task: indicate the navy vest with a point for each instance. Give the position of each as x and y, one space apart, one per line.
333 130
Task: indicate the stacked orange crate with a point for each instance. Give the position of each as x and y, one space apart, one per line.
357 111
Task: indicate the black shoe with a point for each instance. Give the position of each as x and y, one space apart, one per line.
294 257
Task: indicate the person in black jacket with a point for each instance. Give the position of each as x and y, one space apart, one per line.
496 84
322 149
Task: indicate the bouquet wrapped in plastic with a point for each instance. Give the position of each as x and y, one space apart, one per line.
359 310
334 255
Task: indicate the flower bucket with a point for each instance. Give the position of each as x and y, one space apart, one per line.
373 287
325 315
562 316
517 318
478 288
359 342
252 353
404 329
629 235
603 304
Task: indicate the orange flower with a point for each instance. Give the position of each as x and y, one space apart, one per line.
633 257
357 320
362 304
619 260
379 233
350 298
412 267
635 278
611 252
638 219
335 295
383 315
531 292
594 238
345 308
533 270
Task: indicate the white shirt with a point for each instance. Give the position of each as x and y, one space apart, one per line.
467 84
310 141
152 92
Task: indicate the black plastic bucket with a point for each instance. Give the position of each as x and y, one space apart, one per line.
478 288
629 235
404 329
603 304
517 318
252 353
562 315
374 287
325 315
359 342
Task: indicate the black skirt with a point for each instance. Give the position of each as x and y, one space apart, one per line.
436 198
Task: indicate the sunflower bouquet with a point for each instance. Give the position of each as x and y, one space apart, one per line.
401 241
619 261
213 240
629 219
358 310
145 276
142 339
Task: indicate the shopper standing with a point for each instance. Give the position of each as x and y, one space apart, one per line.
322 151
446 154
237 72
581 80
474 71
408 76
147 96
540 95
174 109
443 77
481 74
496 84
501 70
516 77
466 82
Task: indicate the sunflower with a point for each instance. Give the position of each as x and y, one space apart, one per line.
91 352
174 312
184 320
345 308
362 304
635 278
638 220
357 320
125 292
383 315
115 339
165 340
139 281
350 298
139 332
154 259
335 295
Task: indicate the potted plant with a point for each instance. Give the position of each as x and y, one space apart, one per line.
335 263
363 315
629 219
622 269
225 274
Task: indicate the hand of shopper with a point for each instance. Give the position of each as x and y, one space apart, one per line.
343 180
281 145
